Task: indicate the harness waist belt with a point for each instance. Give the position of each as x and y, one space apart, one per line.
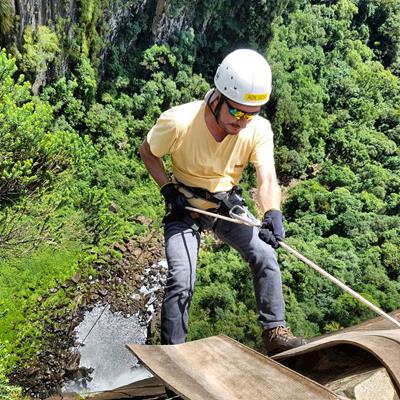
202 193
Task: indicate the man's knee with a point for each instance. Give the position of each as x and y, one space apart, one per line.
180 281
179 290
263 255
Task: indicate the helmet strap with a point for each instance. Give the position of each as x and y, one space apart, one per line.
216 112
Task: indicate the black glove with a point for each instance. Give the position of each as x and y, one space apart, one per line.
272 228
175 201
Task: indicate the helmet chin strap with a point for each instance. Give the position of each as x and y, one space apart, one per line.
216 112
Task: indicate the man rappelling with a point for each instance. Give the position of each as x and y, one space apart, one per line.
210 142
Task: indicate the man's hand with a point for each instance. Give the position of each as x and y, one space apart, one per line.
272 228
175 201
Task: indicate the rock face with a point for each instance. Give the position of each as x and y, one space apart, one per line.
42 12
70 21
164 25
370 385
156 23
34 13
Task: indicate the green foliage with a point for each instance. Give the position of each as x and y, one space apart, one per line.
333 176
381 18
328 93
165 80
7 392
324 70
87 83
91 17
223 26
40 49
66 104
71 177
31 151
6 17
114 129
23 282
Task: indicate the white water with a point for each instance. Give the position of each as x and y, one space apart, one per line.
104 350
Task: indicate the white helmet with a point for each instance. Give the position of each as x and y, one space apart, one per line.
244 77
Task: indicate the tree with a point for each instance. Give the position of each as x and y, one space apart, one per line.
31 153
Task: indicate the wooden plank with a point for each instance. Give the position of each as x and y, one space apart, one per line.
150 387
219 368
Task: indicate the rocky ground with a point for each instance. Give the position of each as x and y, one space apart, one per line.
129 281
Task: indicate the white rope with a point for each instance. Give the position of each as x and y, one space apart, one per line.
294 252
210 214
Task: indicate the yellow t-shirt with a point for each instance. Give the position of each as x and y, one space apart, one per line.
198 160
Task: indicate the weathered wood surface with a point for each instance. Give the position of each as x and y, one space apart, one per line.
219 368
376 336
146 388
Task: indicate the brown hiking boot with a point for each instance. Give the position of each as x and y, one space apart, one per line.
280 339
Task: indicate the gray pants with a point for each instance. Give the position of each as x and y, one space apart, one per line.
182 241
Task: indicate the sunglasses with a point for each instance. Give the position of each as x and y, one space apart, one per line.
239 114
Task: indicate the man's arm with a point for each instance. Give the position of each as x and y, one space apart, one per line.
269 199
269 191
175 201
154 164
